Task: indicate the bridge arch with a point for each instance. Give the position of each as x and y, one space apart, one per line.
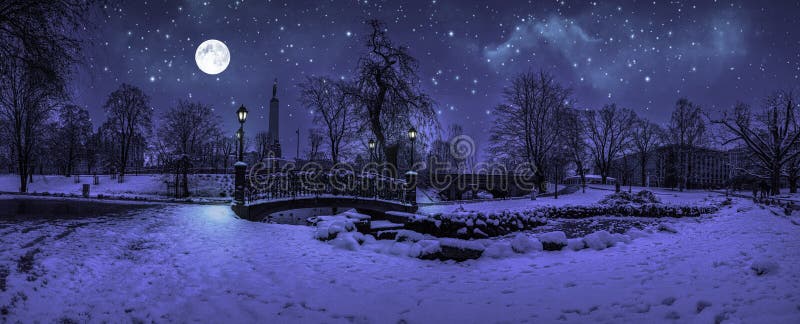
258 211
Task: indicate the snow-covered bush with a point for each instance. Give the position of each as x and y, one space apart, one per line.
599 240
625 198
521 243
553 241
474 224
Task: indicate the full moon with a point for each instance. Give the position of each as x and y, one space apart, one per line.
212 56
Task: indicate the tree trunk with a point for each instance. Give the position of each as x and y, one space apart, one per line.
775 180
643 163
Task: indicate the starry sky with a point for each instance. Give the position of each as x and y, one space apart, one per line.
639 54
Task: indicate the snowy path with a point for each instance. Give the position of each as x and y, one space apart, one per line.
198 263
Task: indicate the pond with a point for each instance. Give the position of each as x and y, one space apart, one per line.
26 209
299 216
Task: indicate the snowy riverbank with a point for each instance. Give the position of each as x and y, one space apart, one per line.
199 263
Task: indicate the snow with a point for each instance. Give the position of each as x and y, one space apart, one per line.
557 237
214 187
599 240
190 263
524 244
593 194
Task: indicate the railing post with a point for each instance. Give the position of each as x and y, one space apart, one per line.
411 187
239 182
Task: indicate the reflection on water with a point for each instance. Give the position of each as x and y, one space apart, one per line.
300 216
24 209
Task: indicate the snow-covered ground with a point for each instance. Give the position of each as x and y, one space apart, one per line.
183 263
210 186
593 194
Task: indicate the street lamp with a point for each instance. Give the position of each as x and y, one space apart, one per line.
371 145
241 115
412 135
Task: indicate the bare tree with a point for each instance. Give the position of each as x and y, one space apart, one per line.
263 144
129 116
39 44
646 139
575 137
333 111
386 92
226 145
315 139
527 127
771 134
72 135
188 128
685 133
28 95
609 131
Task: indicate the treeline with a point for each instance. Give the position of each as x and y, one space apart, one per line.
539 125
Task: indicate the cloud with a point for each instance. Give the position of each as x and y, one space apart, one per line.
555 33
609 56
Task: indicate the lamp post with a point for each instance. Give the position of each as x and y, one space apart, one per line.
240 167
411 175
241 115
412 135
371 146
239 137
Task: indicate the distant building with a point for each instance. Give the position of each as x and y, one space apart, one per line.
706 168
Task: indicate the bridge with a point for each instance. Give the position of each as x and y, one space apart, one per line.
263 192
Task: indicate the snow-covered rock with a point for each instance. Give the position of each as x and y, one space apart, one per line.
498 250
522 243
553 241
346 240
599 240
425 249
576 244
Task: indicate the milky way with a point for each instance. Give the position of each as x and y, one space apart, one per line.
643 55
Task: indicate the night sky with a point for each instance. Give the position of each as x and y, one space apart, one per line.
642 54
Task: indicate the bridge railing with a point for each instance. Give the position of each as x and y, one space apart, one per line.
265 185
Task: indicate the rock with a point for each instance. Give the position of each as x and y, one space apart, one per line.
426 250
667 228
524 244
387 235
460 250
576 244
498 250
478 233
346 240
553 241
599 240
406 235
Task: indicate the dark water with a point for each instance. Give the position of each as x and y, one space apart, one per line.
25 209
300 216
